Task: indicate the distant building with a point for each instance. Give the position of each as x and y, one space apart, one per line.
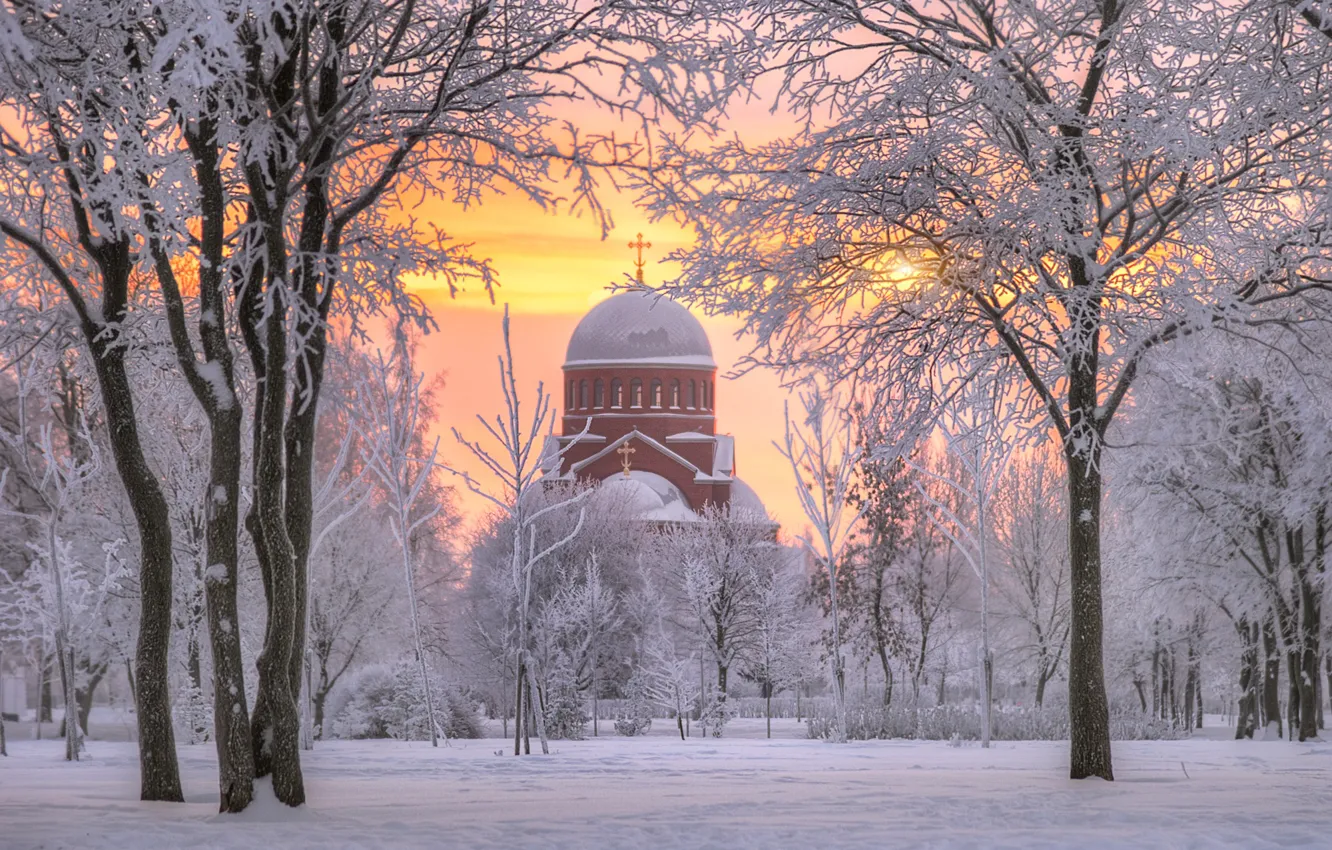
640 368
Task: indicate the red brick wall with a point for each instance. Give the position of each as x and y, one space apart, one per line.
657 423
672 421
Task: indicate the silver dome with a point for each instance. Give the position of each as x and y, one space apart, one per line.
634 327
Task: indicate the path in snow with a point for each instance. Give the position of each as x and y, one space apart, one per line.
662 793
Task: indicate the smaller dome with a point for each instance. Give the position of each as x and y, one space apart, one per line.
650 496
638 327
743 498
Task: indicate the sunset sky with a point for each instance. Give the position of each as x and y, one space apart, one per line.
552 269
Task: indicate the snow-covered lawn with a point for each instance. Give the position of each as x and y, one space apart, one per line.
661 793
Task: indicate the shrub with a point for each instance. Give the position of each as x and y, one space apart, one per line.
871 720
637 716
389 702
564 714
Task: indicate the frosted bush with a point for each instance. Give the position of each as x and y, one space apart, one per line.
870 720
389 702
192 714
636 717
564 716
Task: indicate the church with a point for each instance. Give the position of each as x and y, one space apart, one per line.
640 378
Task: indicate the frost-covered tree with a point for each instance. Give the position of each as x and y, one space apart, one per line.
391 437
1037 193
715 564
71 147
59 599
1242 452
781 631
823 456
977 433
516 463
1033 582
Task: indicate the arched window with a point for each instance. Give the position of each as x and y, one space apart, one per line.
675 393
569 396
636 393
617 393
598 393
656 392
582 395
706 406
693 394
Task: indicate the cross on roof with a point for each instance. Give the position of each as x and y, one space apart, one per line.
640 245
624 451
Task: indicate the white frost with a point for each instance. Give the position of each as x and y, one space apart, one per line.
211 372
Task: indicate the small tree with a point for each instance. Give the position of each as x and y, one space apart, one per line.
517 465
716 563
823 457
391 398
976 431
774 657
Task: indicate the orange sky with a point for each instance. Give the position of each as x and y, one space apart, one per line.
552 268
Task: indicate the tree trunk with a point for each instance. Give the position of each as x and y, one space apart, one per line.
1247 717
275 725
159 772
44 696
518 711
84 695
1271 677
1190 686
1137 686
1293 689
1088 708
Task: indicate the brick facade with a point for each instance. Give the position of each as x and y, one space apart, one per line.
673 415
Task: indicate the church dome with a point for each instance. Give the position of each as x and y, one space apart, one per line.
743 498
649 496
636 327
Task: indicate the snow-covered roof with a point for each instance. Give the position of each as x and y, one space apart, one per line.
650 496
639 328
743 498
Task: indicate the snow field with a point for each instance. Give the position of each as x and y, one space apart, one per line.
661 793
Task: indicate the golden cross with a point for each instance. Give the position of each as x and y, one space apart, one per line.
640 245
624 451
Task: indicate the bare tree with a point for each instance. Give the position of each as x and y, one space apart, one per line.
517 466
1029 524
391 399
823 457
976 432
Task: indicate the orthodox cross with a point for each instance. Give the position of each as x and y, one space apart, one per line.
640 245
624 451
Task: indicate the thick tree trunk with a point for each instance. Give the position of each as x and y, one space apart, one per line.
1246 720
84 695
1271 677
159 773
275 728
1309 675
216 394
1088 708
231 719
1293 689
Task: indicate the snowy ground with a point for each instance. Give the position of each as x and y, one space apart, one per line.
662 793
